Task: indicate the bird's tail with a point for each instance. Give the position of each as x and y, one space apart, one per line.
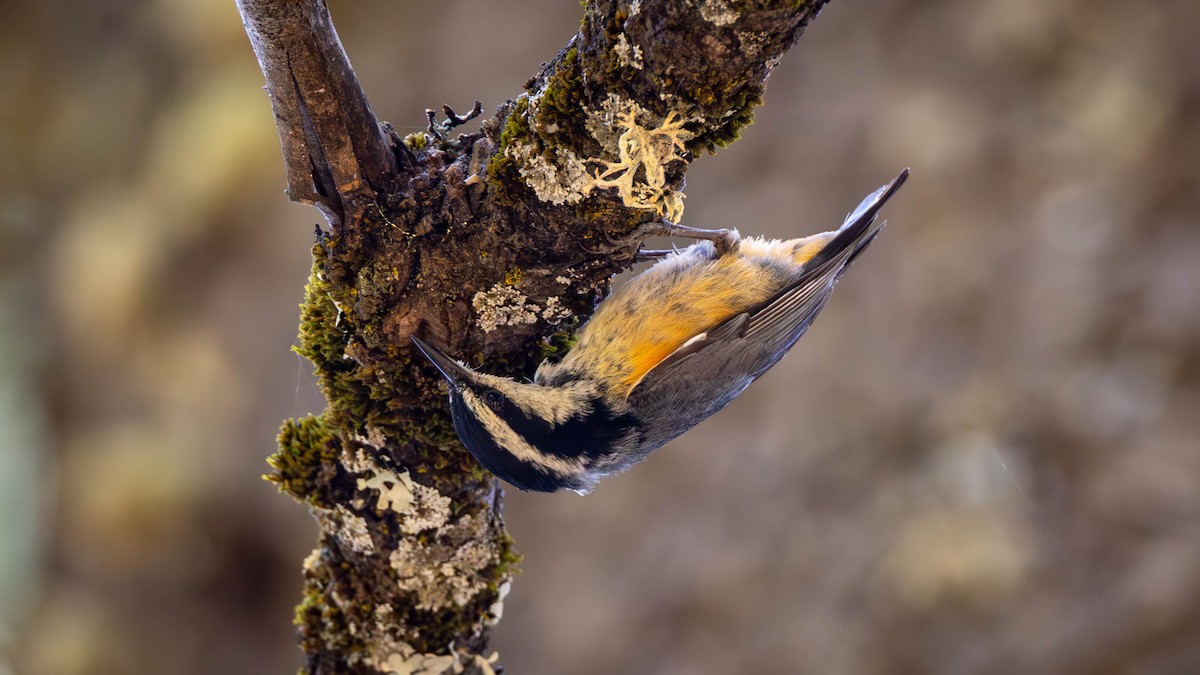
859 229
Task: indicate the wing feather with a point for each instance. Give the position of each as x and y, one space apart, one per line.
741 348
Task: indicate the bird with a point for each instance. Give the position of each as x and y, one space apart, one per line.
659 355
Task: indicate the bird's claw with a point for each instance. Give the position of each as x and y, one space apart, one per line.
646 255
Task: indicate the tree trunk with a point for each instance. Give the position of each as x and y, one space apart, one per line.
493 245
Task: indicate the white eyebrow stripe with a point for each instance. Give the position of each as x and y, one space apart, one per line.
556 405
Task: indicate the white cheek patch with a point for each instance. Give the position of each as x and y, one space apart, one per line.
514 443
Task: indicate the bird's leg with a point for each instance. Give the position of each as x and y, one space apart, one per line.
725 241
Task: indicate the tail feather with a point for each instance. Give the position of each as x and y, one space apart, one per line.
856 232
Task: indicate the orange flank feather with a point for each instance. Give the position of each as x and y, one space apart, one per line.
680 298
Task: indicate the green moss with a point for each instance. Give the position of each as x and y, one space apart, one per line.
731 126
557 344
307 451
509 559
322 340
561 117
502 174
513 276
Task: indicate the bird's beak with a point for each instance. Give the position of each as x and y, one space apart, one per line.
454 373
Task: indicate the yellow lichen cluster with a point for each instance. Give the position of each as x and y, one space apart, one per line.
639 174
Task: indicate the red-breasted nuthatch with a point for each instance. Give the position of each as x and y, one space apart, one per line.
661 354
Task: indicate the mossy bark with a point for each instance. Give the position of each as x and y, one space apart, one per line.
493 245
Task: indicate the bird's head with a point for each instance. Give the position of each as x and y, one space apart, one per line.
537 437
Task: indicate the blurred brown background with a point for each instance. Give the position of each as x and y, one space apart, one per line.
984 458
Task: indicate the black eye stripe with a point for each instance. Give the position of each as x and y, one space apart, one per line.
590 435
494 400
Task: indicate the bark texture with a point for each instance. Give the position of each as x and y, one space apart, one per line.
493 245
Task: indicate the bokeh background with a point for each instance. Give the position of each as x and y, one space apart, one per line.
984 458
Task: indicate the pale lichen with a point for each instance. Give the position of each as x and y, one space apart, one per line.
503 305
447 567
395 489
496 611
483 665
555 311
429 509
382 646
643 145
752 42
357 461
348 528
628 55
311 560
419 664
603 122
407 661
420 507
718 12
639 174
556 176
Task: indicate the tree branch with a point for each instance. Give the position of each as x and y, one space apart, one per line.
494 245
333 146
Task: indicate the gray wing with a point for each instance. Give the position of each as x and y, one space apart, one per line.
710 370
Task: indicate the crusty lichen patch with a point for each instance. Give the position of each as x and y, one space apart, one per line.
447 566
417 506
718 12
419 664
628 55
555 311
504 305
395 489
556 175
348 528
408 662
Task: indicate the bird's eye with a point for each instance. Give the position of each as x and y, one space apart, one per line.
494 400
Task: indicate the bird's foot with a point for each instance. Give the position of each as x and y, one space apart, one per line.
725 241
